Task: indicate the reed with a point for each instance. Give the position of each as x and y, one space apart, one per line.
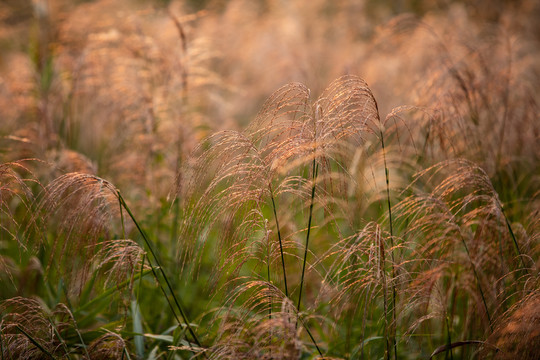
318 222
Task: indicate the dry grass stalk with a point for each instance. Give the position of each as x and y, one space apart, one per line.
84 209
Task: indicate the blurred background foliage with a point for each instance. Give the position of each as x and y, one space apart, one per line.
126 90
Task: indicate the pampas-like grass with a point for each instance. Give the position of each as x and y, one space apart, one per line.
266 163
85 209
264 167
119 259
108 347
425 249
31 331
319 229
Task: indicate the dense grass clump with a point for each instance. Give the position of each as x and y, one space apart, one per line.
153 204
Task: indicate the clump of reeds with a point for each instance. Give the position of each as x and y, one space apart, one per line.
320 229
295 154
30 331
439 252
84 209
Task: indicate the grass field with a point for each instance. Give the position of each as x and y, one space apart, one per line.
299 179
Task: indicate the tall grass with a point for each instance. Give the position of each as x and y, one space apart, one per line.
307 225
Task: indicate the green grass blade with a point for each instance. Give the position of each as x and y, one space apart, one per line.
387 180
37 344
150 248
310 218
137 328
280 242
108 293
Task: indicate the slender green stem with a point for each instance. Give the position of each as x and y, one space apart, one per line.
156 277
311 336
313 187
152 268
122 219
513 237
283 259
279 238
126 353
148 244
122 204
33 341
139 340
60 338
382 261
315 168
140 278
105 294
268 275
387 178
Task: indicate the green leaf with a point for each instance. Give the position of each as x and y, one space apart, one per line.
137 328
109 292
153 354
166 338
37 344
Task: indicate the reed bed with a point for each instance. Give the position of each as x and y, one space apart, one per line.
159 199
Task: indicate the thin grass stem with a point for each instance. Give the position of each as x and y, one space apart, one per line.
107 293
513 236
280 241
148 244
387 179
122 219
313 187
311 336
385 297
37 344
315 168
268 275
140 278
126 353
60 338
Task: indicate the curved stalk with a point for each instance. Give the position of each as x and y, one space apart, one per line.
37 344
279 238
149 246
313 187
387 178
